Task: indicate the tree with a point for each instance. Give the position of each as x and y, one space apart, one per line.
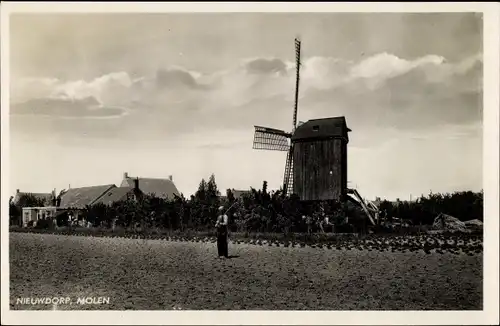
94 213
30 200
181 207
265 196
58 198
230 196
212 191
24 200
387 210
201 193
213 200
14 213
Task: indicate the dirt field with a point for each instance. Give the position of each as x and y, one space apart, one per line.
155 274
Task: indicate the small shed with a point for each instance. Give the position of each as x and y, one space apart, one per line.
34 214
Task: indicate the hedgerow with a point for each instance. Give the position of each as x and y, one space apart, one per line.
261 211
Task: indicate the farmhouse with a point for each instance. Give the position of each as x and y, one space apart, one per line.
42 205
71 201
45 198
236 193
34 214
118 194
79 198
162 188
239 193
74 200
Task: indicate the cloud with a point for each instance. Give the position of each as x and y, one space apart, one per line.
266 66
31 88
87 107
99 88
386 91
380 91
383 66
175 78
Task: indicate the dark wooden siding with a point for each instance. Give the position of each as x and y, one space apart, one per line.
344 167
313 162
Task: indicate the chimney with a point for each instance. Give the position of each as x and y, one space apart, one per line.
136 183
125 175
170 177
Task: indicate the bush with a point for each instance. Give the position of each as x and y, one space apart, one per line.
262 211
259 211
464 205
44 224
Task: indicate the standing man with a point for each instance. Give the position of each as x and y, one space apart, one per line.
322 219
308 220
325 223
70 219
222 233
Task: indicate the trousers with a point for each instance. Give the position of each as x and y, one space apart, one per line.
222 247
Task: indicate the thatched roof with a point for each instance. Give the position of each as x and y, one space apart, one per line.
46 198
162 188
115 195
78 198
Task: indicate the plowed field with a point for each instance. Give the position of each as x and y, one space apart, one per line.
161 275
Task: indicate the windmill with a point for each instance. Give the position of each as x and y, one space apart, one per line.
316 163
279 140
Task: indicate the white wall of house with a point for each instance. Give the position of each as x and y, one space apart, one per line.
37 213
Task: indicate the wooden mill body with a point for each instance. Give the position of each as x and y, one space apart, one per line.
320 159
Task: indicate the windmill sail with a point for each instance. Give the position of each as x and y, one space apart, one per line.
288 177
297 79
279 140
271 139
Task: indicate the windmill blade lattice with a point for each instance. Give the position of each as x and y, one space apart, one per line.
288 177
271 139
297 80
279 140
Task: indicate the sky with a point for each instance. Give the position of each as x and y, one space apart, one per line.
96 95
